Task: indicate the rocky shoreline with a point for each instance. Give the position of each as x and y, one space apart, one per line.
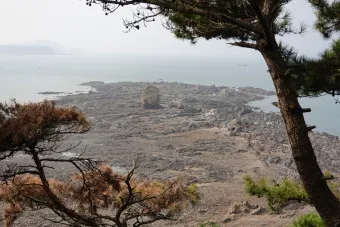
116 109
207 135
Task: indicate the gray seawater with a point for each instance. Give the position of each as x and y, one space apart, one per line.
22 77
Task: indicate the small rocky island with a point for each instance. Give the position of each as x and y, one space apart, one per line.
206 135
26 50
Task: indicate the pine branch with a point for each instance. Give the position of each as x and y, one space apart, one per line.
246 45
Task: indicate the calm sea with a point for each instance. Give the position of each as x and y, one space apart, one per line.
22 77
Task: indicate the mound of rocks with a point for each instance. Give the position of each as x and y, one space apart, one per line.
236 210
235 127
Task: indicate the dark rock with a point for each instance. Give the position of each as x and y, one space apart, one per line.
151 106
245 111
273 160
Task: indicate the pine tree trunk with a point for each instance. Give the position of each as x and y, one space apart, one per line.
327 205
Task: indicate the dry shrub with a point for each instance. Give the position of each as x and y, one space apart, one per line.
94 192
11 213
29 124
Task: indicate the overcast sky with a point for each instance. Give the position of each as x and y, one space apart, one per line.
75 25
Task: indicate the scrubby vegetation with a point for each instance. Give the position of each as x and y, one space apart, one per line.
309 220
209 224
193 193
151 97
277 194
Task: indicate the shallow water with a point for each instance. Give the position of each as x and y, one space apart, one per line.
22 77
325 113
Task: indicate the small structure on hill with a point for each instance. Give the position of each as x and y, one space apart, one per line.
151 97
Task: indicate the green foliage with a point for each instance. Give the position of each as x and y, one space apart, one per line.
235 20
327 174
309 220
318 76
277 194
315 77
192 27
192 193
151 97
183 25
328 16
209 224
335 188
333 52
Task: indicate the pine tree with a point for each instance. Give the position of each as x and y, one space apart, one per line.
253 24
328 16
315 77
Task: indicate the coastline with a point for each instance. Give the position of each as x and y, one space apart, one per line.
205 107
262 103
51 94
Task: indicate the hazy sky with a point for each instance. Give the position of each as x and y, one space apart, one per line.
75 25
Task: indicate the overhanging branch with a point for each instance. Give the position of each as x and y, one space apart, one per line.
185 8
245 44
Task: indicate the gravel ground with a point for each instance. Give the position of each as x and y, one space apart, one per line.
203 134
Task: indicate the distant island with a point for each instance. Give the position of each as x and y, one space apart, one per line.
39 47
26 49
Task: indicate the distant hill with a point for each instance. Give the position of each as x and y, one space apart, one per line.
57 47
26 49
38 47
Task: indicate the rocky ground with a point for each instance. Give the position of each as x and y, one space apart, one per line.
203 134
